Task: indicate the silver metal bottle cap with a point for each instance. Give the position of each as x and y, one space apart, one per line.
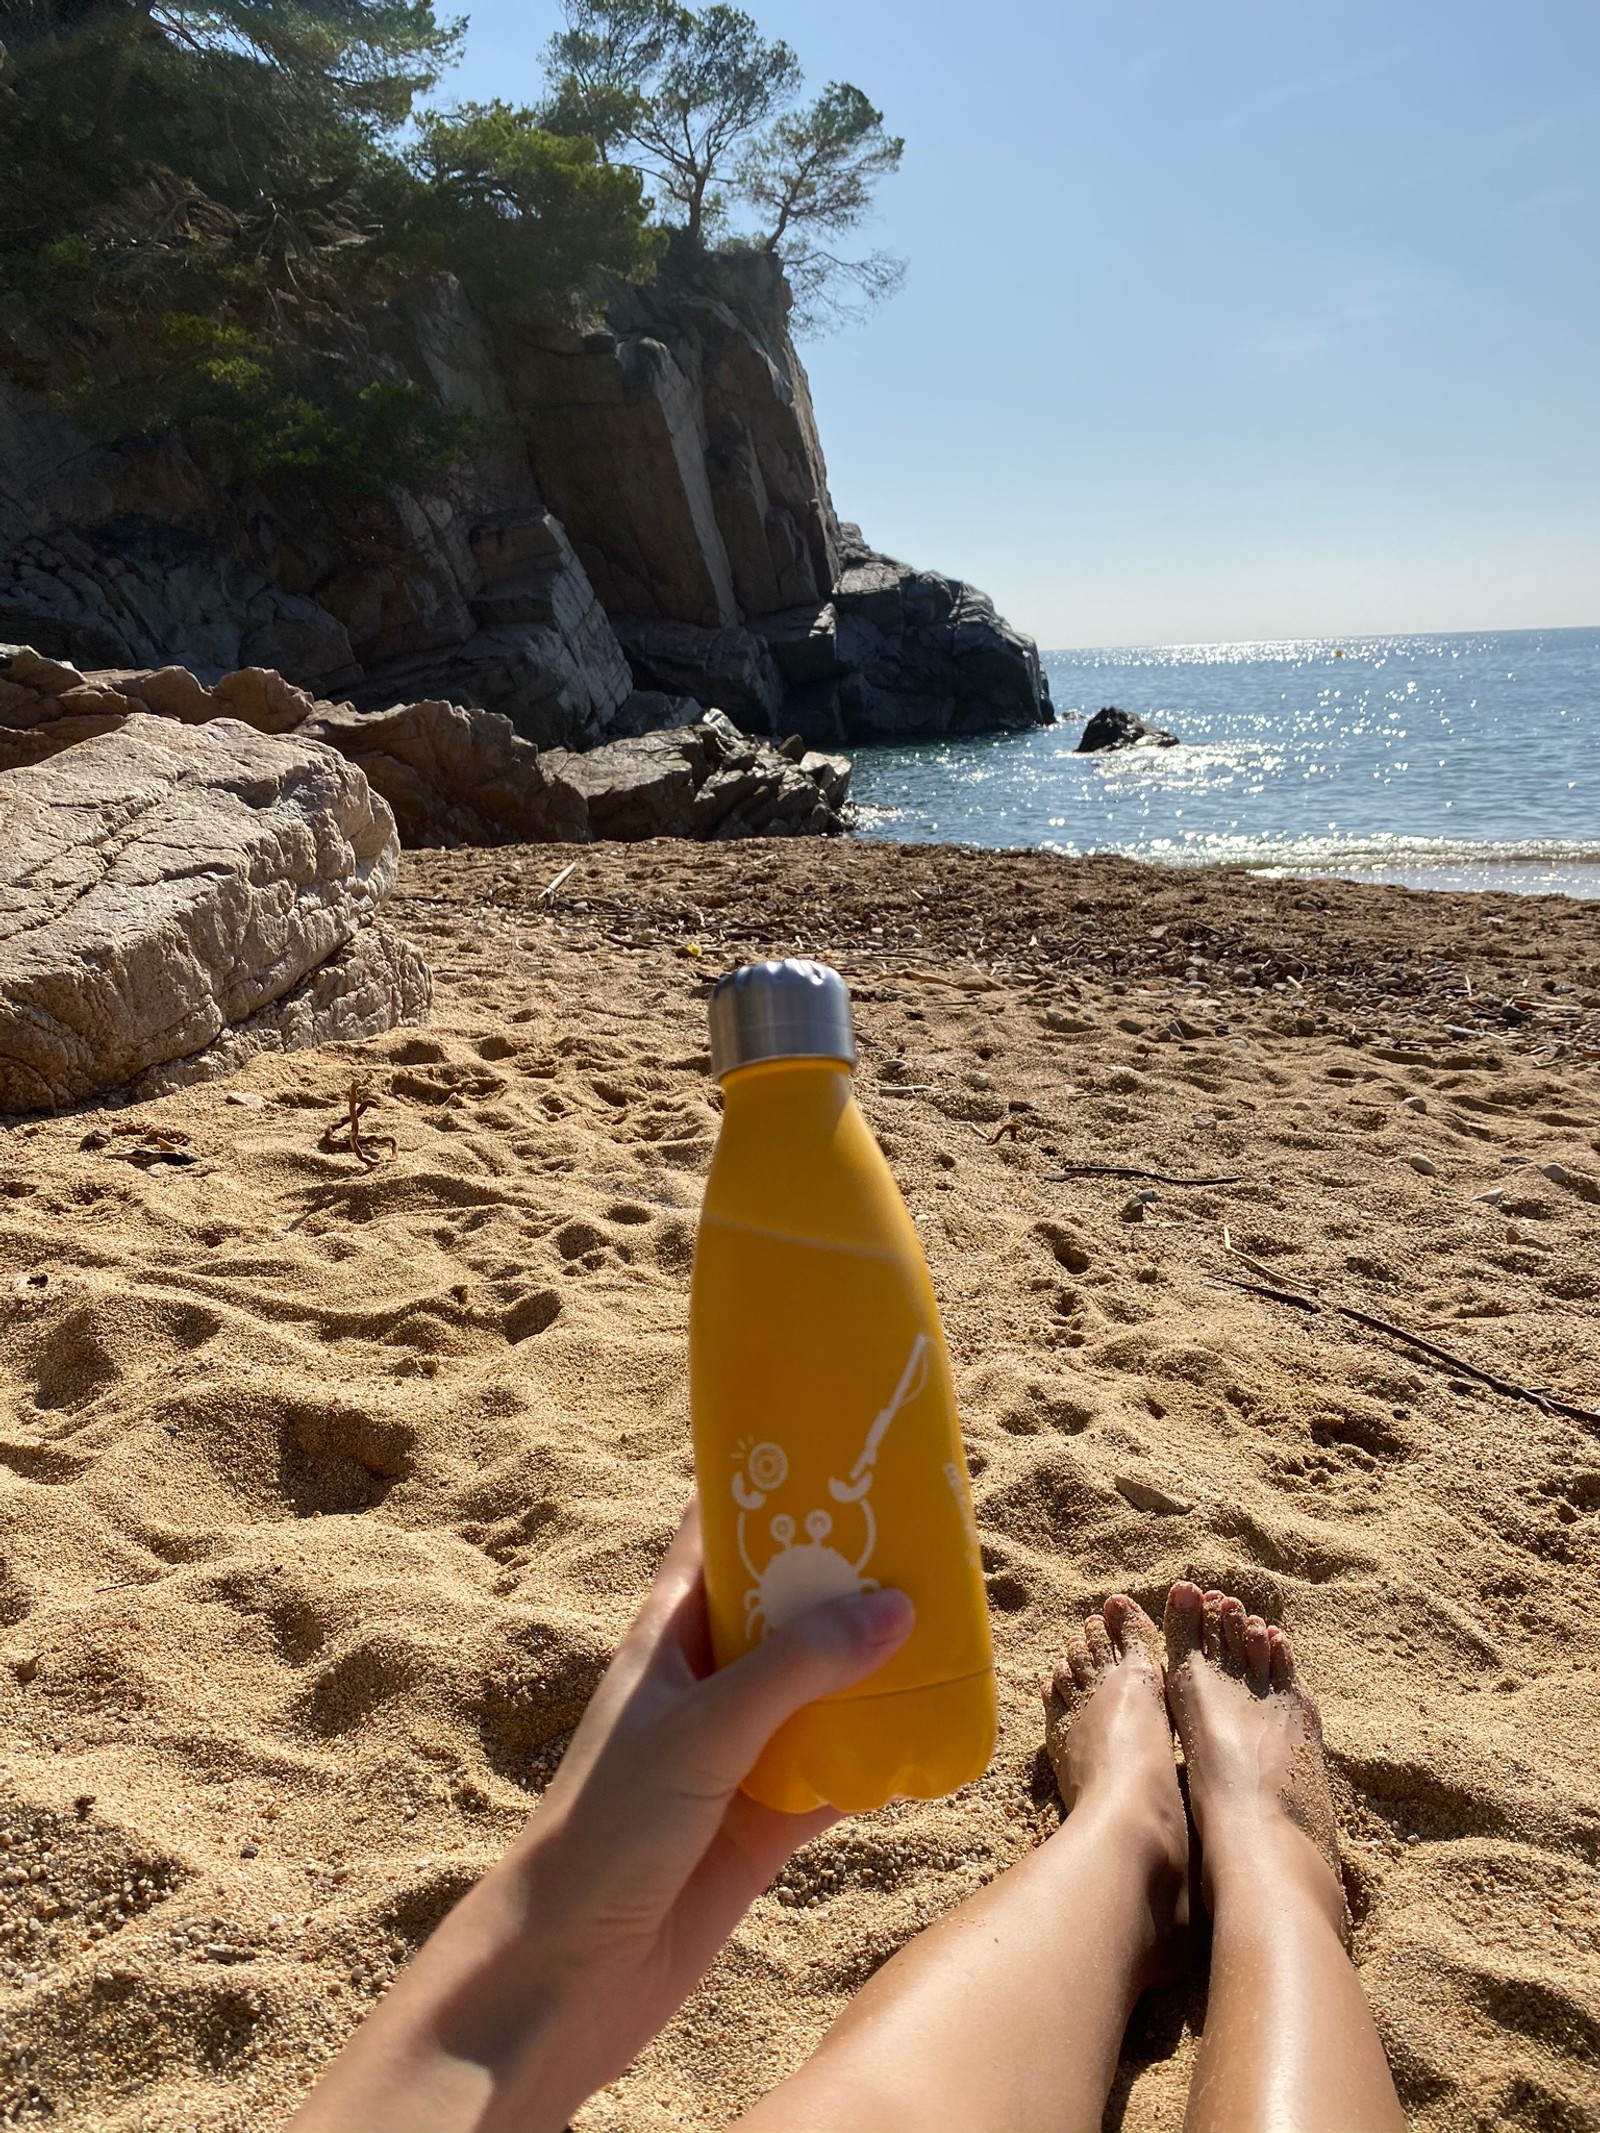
789 1010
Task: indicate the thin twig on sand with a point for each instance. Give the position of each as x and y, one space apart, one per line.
1124 1170
1269 1286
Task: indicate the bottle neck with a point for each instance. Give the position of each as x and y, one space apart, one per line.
798 1097
794 1155
822 1087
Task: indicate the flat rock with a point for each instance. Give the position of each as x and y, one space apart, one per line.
1146 1496
165 883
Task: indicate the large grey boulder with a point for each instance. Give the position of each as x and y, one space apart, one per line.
897 653
453 775
375 982
164 883
703 781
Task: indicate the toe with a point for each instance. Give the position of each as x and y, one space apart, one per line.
1098 1639
1133 1634
1282 1659
1233 1621
1078 1659
1183 1624
1212 1604
1257 1653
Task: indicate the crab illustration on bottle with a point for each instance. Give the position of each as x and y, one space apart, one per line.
800 1573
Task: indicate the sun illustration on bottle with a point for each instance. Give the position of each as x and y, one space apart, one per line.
800 1573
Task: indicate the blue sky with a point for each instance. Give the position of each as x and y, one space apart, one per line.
1224 321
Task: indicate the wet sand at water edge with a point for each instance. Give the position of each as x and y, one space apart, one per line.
325 1488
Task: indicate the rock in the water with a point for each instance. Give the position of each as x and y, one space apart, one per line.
454 776
165 883
1111 728
896 653
830 774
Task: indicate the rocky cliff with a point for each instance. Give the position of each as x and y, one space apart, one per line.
642 512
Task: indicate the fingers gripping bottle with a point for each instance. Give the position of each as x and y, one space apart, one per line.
826 1442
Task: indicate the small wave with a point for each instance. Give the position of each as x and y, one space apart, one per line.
1348 855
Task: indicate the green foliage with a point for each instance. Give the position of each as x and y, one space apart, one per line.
703 107
520 213
265 409
272 109
812 175
202 207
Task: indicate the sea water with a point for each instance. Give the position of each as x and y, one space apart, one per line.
1461 762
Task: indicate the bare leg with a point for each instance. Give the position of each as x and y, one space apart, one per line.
1007 2016
1289 2043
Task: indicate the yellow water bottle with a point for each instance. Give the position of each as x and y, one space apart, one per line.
826 1442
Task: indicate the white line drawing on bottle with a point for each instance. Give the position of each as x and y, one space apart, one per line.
799 1574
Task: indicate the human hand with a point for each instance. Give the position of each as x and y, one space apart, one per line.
643 1855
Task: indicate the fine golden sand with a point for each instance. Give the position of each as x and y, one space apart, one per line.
325 1489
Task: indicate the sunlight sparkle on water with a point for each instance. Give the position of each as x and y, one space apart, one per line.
1292 759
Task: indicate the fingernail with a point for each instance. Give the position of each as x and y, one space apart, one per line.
886 1616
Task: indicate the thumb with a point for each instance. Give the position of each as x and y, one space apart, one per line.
819 1653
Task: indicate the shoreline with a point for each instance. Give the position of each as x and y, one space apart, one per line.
1577 879
1563 870
325 1490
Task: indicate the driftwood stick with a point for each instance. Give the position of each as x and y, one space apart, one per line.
1506 1387
1277 1296
1124 1170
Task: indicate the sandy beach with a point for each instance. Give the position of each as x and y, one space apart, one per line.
326 1486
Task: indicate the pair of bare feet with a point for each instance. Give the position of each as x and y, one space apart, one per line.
1224 1682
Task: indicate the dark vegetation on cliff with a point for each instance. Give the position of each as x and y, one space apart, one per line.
299 369
201 206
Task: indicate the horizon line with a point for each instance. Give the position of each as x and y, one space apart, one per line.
1330 637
